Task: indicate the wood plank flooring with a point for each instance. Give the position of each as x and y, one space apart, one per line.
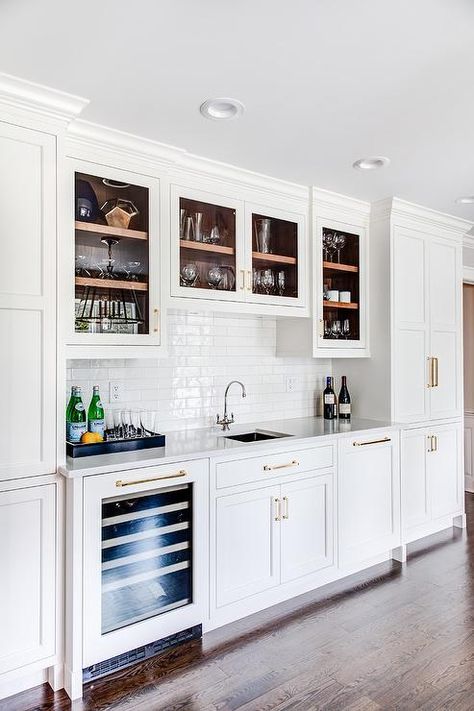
395 637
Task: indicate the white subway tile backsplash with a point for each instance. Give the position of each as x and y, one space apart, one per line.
205 352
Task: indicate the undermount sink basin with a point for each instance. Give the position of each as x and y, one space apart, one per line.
256 436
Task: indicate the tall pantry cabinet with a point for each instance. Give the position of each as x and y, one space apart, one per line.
31 120
414 375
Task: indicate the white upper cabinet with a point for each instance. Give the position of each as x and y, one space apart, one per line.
27 302
228 250
113 264
427 280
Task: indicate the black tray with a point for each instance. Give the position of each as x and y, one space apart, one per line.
114 445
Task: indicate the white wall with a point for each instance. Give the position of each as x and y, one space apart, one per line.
207 350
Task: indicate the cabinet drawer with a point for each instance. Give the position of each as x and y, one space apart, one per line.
244 471
147 478
369 440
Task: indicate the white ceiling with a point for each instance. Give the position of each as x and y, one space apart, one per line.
324 82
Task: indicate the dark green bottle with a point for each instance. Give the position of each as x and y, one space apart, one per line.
95 414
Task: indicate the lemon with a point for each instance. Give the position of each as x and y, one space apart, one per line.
91 438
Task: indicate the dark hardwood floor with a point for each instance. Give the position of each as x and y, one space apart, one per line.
394 637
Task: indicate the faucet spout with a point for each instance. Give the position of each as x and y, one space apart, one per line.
226 421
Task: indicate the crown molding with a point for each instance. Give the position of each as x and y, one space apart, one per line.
326 203
88 140
423 216
21 100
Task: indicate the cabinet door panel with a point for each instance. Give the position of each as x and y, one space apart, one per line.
445 471
248 544
415 485
369 504
307 527
27 302
445 335
27 561
411 328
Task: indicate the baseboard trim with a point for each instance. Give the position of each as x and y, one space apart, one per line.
22 683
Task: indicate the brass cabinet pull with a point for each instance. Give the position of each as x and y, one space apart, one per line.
277 516
430 442
371 441
435 440
272 467
120 483
156 319
435 372
286 514
242 286
430 372
249 280
321 327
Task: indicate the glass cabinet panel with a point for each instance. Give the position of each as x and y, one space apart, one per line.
341 285
274 256
111 256
146 555
207 238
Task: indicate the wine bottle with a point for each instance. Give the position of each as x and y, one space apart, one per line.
329 398
344 401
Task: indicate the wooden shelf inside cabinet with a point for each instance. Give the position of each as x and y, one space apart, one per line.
106 231
112 283
336 267
339 305
276 258
205 247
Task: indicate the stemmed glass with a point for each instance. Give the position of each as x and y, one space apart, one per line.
81 266
189 274
336 329
281 283
339 243
328 245
268 281
346 328
214 277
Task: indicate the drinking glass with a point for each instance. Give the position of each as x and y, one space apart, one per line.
214 277
281 283
339 243
268 281
109 425
189 274
126 423
327 329
346 328
118 424
148 422
133 270
336 329
214 235
328 241
81 266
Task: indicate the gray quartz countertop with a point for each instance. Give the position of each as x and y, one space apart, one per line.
184 445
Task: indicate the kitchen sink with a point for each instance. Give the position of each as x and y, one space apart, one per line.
256 436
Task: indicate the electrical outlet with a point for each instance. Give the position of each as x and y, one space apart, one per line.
291 384
115 391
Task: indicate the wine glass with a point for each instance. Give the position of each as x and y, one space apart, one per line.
339 243
133 270
189 274
214 277
336 329
328 242
346 328
268 281
327 329
214 235
148 422
281 283
81 266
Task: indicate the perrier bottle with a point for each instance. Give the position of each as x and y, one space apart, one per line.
76 424
95 414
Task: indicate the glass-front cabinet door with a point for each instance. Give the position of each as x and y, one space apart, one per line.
341 302
275 242
116 276
206 248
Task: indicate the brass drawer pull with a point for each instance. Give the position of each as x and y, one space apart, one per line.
249 280
272 467
430 372
372 441
157 320
277 516
435 373
120 483
286 514
242 287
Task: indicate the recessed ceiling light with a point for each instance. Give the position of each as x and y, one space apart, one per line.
465 200
371 163
221 109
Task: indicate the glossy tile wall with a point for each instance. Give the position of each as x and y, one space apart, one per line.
206 351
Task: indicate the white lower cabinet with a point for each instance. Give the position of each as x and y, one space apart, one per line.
28 565
369 497
272 535
432 477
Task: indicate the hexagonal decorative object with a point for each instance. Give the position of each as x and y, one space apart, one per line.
119 212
